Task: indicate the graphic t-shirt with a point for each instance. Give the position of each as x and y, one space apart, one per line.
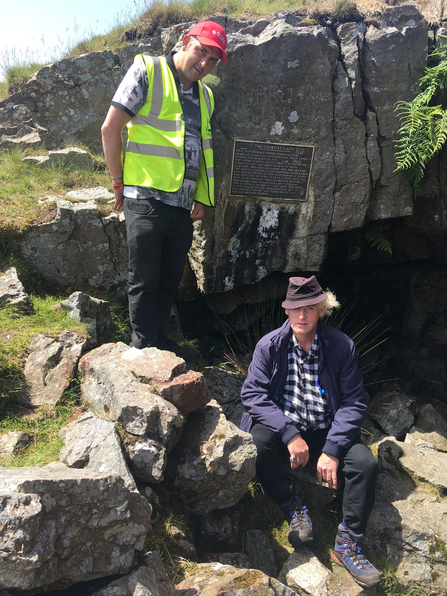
131 96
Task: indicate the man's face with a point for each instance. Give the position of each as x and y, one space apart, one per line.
304 320
195 60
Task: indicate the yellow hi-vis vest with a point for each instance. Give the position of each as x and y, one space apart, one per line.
155 154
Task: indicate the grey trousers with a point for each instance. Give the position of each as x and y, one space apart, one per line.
159 237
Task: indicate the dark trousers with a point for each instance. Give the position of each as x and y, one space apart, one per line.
159 237
357 473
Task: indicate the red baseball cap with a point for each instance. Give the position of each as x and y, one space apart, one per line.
211 34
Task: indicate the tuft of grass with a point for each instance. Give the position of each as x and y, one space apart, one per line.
390 586
159 539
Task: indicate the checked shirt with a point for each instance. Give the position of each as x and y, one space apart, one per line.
303 400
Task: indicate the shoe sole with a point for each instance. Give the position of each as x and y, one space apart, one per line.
362 584
299 541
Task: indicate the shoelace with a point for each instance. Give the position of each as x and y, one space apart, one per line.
357 555
298 519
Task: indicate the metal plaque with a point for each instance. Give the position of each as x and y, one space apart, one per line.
270 170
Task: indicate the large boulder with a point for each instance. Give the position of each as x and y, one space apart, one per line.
313 86
408 524
142 390
80 244
60 526
214 463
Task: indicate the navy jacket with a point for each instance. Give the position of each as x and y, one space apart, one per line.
339 376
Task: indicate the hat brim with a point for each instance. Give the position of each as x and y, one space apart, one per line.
205 41
308 302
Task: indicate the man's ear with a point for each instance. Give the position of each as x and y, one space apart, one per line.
185 41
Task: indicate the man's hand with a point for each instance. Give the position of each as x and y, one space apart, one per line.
198 212
119 198
299 452
327 467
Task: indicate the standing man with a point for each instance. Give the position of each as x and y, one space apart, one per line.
304 397
168 168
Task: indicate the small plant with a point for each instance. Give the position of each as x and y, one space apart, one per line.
389 584
423 130
374 236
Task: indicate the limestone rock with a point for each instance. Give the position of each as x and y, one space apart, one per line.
389 408
149 579
214 578
123 383
80 244
353 169
259 552
430 430
70 156
424 463
13 441
305 574
180 544
13 292
50 365
69 525
98 194
215 456
408 529
94 444
26 136
404 28
225 387
92 311
423 440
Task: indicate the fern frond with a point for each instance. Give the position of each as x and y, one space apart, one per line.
376 238
423 130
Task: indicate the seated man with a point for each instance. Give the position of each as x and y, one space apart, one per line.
304 396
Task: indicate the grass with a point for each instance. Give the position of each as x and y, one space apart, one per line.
22 184
16 331
43 425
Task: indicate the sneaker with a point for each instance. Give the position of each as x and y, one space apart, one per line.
300 529
347 553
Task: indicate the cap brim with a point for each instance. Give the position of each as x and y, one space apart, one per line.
209 42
